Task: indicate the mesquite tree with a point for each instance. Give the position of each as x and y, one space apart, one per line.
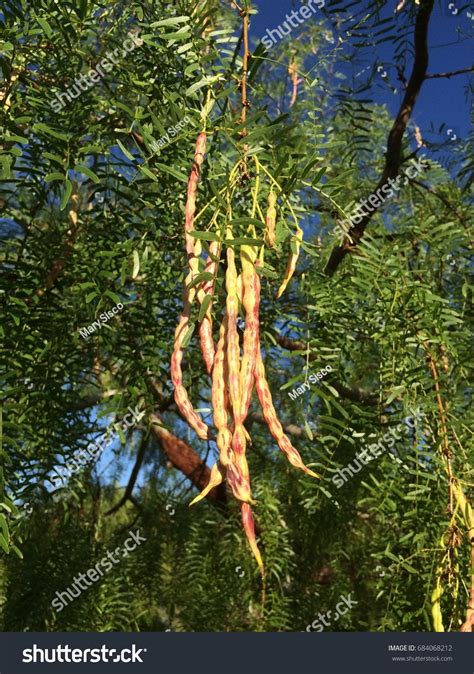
180 238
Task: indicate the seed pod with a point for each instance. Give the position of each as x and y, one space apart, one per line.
207 342
193 246
239 483
249 527
233 348
293 259
207 290
193 250
270 416
193 181
180 394
251 302
220 398
237 468
238 476
215 479
270 231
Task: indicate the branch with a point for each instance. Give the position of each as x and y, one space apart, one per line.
441 197
451 74
243 86
394 143
290 429
157 391
353 393
59 263
291 344
127 495
185 459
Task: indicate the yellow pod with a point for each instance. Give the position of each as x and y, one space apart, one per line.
291 266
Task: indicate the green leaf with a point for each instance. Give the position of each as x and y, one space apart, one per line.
113 296
173 172
54 157
54 176
170 22
136 264
205 236
319 175
4 534
45 26
204 307
182 34
244 241
49 131
308 430
196 86
66 195
90 149
4 544
146 171
125 151
200 278
247 221
17 551
188 335
123 272
85 170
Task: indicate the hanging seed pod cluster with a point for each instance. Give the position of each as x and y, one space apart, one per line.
233 362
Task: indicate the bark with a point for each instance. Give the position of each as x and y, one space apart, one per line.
185 459
395 138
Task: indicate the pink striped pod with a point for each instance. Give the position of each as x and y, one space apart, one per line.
251 302
207 289
215 479
251 292
193 250
193 181
249 527
233 347
206 341
194 246
220 398
237 469
180 394
270 416
238 483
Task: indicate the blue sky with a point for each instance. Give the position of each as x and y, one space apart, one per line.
442 101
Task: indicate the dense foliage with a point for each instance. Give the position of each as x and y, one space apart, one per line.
92 207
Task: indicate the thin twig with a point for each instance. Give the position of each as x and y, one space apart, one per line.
243 83
451 74
127 495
